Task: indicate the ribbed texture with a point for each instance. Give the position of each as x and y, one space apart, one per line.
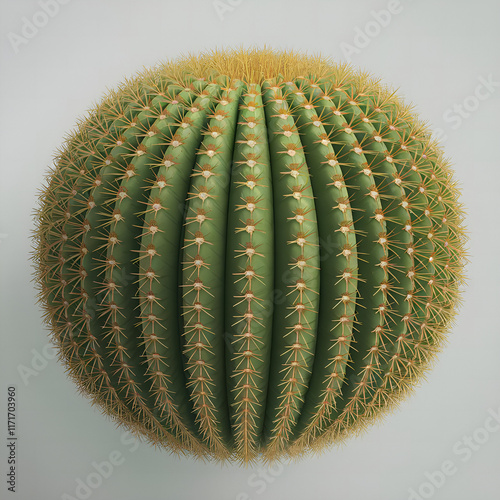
237 267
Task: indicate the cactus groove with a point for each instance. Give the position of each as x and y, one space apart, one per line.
249 254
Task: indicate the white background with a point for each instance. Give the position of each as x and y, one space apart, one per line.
436 53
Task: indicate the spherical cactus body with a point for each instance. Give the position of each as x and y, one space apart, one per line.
249 253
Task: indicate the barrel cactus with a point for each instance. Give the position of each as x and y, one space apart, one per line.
249 253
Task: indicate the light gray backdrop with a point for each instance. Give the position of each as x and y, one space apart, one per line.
442 55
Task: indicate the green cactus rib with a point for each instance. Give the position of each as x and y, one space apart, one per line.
296 272
338 259
249 275
202 278
249 254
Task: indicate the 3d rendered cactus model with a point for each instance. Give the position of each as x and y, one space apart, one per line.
249 253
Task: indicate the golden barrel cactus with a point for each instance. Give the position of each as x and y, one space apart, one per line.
249 253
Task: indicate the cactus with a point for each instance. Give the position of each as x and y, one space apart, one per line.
249 253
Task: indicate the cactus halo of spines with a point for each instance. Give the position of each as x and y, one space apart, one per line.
249 254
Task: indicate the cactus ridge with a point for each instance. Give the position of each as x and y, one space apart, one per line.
249 254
